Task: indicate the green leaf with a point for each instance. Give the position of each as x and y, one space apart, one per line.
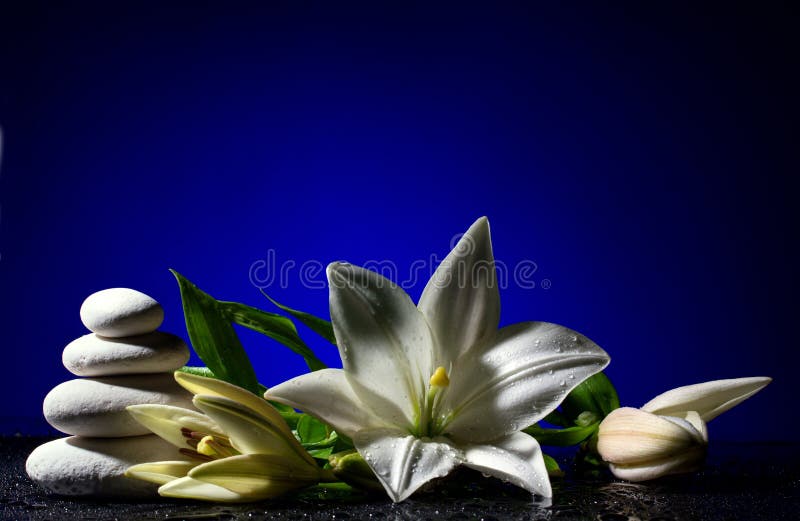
322 454
310 430
553 470
556 418
272 325
595 394
320 326
561 437
213 337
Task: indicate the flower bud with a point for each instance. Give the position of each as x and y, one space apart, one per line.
350 467
639 445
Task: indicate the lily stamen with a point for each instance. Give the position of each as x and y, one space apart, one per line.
214 447
195 455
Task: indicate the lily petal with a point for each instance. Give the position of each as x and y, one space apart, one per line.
248 432
461 300
697 422
528 371
160 472
190 488
709 399
655 436
167 421
327 395
687 461
211 386
402 462
257 475
384 341
516 459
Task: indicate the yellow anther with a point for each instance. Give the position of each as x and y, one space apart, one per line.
206 446
440 378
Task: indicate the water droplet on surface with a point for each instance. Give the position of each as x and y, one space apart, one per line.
562 383
549 371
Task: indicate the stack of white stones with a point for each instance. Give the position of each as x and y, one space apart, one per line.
126 361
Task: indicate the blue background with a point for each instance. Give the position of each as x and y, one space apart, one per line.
642 157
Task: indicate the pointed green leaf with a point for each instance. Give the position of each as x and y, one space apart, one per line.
556 418
553 470
322 454
272 325
320 326
595 394
311 430
561 437
213 337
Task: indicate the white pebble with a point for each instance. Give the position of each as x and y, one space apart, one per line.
156 352
95 467
96 406
119 312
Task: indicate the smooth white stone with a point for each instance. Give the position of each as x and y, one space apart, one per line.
95 467
94 355
96 406
119 312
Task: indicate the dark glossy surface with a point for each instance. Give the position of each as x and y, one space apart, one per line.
741 481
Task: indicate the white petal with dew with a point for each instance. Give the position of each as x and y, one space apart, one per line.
461 300
189 488
516 459
167 421
521 378
327 395
248 432
384 341
160 472
709 399
403 463
212 387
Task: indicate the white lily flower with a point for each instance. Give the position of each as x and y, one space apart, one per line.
668 435
427 388
241 448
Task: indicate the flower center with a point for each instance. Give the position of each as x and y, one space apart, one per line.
430 423
205 447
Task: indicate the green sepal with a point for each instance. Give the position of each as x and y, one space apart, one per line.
272 325
318 325
213 337
595 394
561 437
